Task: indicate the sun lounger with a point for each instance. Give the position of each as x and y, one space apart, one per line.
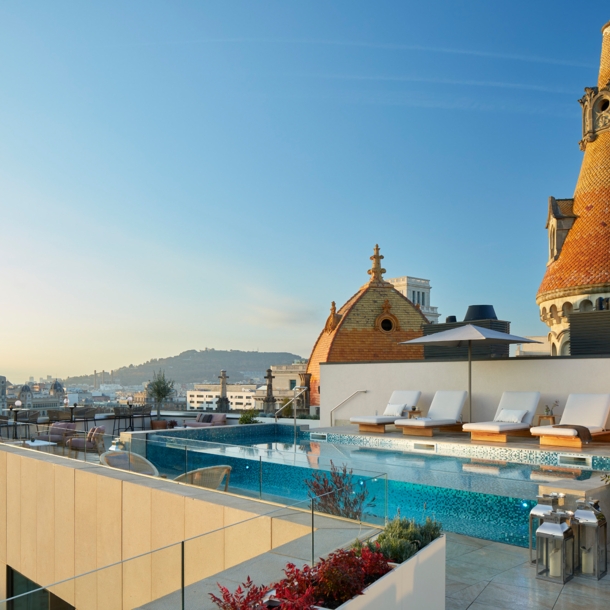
519 409
588 410
400 402
445 413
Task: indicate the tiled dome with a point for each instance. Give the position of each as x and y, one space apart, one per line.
369 327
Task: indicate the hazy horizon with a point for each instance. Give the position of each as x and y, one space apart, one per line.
181 174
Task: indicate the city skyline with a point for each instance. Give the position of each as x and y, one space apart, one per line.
182 176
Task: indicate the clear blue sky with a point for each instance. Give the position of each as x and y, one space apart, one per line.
176 175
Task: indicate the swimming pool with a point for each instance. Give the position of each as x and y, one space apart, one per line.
486 498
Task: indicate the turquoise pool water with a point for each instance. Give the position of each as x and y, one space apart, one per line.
483 498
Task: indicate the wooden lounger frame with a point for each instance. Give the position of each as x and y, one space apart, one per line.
429 430
374 428
549 440
497 437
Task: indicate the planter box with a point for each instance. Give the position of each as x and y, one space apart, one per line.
416 584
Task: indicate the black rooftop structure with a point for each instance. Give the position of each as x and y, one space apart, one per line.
487 319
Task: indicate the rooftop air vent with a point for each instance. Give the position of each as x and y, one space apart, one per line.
480 312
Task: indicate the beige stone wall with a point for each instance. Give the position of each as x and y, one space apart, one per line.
60 518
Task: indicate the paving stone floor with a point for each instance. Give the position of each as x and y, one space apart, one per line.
481 575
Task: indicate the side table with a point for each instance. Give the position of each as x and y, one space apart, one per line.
412 414
549 418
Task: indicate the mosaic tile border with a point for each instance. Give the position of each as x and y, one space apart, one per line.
532 457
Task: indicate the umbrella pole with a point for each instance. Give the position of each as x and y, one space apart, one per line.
469 381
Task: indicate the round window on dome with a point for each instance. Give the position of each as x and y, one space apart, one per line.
387 325
604 105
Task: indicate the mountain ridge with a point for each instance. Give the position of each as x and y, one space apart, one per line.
194 366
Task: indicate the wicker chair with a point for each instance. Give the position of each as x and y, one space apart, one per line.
141 414
210 477
86 415
120 413
126 460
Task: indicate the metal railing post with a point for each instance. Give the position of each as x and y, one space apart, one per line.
182 574
343 402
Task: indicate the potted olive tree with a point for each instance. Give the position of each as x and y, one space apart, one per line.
159 390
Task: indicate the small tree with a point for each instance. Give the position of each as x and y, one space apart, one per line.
160 389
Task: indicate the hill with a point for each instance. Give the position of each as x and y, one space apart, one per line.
196 366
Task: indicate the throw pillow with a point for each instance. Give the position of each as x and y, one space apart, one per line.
394 410
510 416
206 419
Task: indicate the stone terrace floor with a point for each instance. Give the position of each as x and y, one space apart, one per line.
482 575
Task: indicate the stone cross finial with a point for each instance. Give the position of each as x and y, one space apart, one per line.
223 383
269 377
376 271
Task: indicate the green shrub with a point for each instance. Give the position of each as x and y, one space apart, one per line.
402 538
248 417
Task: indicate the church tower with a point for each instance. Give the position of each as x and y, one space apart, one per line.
578 269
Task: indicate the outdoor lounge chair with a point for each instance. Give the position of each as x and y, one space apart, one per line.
445 413
210 477
400 402
519 410
206 420
588 410
92 443
126 460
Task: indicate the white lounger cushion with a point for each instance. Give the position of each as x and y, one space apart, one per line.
590 410
445 410
399 397
516 401
493 426
425 423
552 431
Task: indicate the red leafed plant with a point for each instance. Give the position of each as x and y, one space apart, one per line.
330 583
248 598
297 590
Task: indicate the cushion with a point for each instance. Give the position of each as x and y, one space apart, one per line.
219 418
519 401
205 418
424 422
493 426
405 397
447 405
376 420
552 431
586 410
511 416
394 410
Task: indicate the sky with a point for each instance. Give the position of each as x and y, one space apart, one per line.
181 175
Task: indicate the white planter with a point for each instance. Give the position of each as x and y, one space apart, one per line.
416 584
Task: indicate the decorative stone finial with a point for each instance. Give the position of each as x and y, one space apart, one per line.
333 319
376 271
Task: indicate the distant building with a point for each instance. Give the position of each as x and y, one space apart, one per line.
205 396
577 278
417 290
286 377
2 392
525 350
41 400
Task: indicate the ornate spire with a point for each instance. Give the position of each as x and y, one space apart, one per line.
376 271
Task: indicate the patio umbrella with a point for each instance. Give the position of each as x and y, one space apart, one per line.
465 335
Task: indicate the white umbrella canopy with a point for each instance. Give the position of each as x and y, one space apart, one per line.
465 335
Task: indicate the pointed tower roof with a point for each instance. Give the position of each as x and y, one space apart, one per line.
583 264
369 327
